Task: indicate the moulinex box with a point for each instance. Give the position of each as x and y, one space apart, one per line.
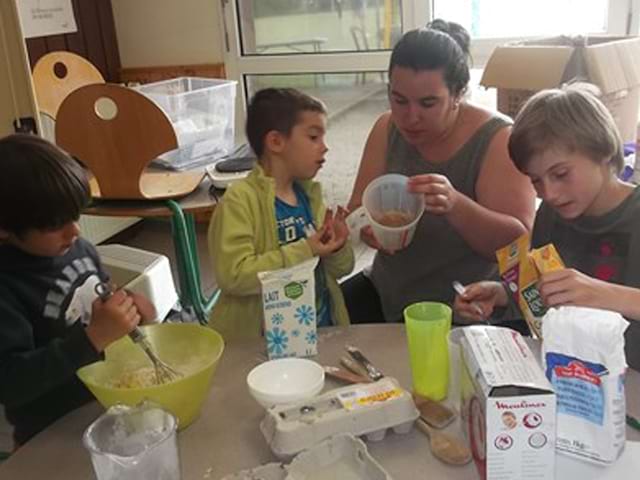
508 406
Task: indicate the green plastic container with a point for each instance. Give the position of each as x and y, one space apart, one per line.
428 324
178 344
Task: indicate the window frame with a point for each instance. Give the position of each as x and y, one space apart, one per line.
623 19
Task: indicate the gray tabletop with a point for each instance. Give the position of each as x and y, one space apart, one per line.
226 437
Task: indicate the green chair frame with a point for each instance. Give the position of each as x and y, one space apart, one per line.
183 228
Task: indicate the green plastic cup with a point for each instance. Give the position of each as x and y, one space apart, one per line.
428 325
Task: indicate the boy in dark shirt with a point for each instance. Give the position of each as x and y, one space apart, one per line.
51 321
568 144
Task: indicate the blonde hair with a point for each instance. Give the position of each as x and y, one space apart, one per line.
571 118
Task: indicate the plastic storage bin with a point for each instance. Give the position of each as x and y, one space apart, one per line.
202 112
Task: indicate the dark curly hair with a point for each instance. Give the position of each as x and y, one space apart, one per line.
439 45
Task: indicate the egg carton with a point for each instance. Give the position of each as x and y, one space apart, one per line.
361 409
341 456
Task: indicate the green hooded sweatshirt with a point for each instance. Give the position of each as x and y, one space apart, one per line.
243 240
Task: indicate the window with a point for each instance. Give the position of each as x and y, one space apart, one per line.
521 18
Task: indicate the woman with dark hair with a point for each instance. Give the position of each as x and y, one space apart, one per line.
455 154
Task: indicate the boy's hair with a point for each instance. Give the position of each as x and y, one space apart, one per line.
571 118
276 109
41 187
441 45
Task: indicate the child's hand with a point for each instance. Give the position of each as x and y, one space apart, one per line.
571 287
112 319
481 295
325 242
340 227
333 234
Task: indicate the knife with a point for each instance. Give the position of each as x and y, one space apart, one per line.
373 373
354 367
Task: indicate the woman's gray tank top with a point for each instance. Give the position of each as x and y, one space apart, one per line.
437 255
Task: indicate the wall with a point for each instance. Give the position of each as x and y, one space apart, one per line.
95 39
168 32
14 71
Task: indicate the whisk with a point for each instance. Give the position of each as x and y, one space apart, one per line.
164 372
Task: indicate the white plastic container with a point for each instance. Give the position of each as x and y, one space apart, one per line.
388 195
202 112
128 443
142 272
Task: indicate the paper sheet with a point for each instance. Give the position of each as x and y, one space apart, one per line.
41 18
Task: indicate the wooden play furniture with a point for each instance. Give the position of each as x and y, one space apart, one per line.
116 132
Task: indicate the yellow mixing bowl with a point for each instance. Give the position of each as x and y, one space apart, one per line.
188 348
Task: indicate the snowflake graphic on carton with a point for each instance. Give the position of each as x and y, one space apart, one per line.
277 341
305 314
288 303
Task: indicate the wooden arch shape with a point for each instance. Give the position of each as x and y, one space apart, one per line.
57 74
116 132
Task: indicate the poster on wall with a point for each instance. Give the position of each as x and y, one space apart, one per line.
40 18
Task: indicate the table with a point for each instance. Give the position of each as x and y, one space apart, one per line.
226 437
182 213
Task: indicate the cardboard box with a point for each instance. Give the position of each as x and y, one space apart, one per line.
521 69
508 407
289 307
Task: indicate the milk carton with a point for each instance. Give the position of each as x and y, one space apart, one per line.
289 306
508 406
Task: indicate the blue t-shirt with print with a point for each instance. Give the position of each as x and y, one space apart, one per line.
293 222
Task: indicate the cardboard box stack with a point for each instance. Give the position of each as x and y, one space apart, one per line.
521 69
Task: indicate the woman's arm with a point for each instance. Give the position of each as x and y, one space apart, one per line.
505 205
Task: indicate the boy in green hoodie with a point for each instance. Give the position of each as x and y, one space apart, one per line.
275 218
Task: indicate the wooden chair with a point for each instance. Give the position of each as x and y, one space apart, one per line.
55 76
116 132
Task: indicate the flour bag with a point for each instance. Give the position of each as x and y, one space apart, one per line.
583 354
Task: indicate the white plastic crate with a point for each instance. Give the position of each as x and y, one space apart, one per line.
201 110
142 272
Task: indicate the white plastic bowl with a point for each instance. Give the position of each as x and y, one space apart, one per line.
285 380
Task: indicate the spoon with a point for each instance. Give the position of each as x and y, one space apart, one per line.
345 375
461 290
445 447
